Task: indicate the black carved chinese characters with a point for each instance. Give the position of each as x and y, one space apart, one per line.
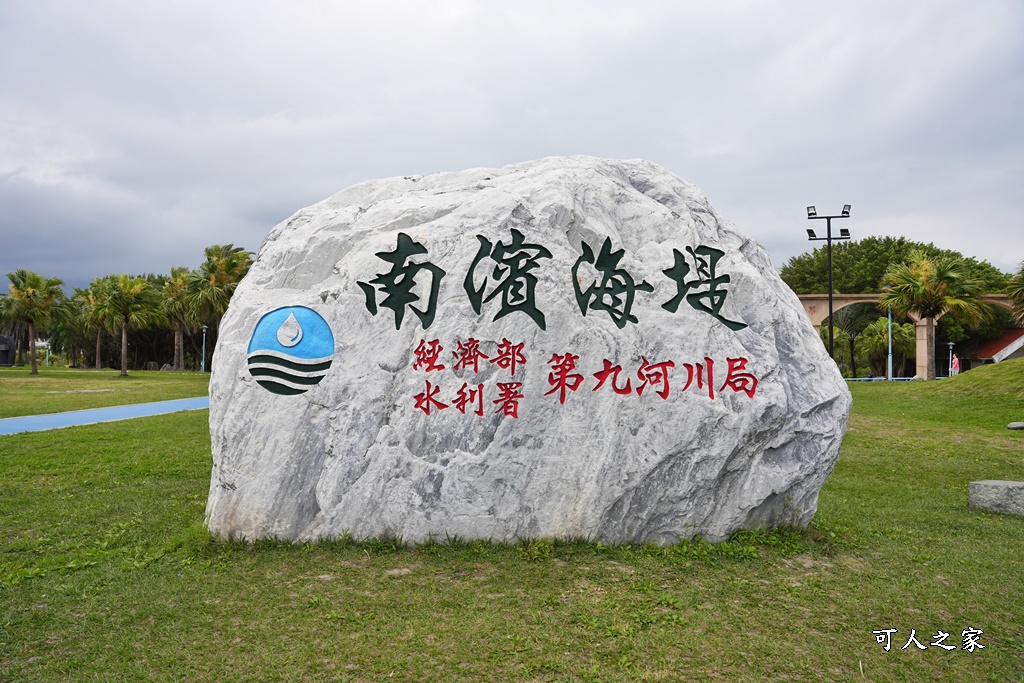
707 295
616 289
514 264
397 283
513 280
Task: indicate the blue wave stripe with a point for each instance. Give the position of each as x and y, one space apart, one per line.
296 379
277 388
290 364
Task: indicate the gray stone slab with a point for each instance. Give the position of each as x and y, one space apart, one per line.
1015 425
1004 497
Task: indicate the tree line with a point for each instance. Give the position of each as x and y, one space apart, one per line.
158 311
914 280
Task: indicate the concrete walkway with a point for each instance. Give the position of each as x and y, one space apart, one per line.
38 423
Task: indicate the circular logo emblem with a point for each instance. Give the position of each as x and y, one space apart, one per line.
290 350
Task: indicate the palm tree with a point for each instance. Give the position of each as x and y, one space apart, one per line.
842 345
31 302
927 288
130 302
215 281
65 330
851 320
213 285
93 313
1016 291
180 314
873 345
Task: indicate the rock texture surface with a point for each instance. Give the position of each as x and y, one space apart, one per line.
1003 497
636 322
1015 425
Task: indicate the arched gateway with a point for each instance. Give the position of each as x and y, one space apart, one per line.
816 307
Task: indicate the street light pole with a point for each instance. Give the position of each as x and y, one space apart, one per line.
949 373
844 234
889 376
202 363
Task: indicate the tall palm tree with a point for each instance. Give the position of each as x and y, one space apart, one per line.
929 288
130 302
214 283
93 313
1016 291
31 301
178 311
65 330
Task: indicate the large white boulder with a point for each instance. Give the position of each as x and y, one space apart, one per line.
569 347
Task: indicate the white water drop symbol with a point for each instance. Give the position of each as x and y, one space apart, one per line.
290 332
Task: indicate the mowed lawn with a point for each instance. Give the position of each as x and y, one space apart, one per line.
106 572
56 390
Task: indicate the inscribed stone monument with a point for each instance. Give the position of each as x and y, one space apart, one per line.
569 347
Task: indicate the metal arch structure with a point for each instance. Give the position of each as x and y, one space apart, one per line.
816 308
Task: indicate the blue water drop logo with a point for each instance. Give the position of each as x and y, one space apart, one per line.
291 350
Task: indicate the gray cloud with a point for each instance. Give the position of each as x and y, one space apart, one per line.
133 135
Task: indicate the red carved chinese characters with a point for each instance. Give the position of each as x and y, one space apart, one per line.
654 374
709 365
468 396
427 355
737 380
562 376
613 372
468 354
508 398
425 400
508 356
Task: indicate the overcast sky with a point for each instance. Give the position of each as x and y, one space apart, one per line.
133 134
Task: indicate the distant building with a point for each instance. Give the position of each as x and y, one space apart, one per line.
1010 345
6 350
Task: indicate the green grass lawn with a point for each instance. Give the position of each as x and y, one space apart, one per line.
55 390
106 572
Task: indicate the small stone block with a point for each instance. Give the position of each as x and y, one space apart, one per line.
1003 497
1015 425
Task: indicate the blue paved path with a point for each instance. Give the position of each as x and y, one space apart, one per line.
38 423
